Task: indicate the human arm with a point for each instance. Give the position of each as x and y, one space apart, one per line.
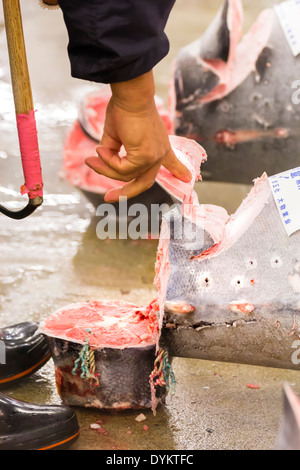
119 43
132 120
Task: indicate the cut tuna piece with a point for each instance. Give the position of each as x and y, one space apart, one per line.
239 273
104 353
233 95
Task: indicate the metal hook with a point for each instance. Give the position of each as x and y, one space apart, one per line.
32 205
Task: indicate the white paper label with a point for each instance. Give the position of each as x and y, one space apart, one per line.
286 191
289 16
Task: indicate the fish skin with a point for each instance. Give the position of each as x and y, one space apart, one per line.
215 42
113 367
192 82
236 274
258 115
229 278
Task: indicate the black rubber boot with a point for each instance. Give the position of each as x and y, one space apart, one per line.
25 426
22 352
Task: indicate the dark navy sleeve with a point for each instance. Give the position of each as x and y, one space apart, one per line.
115 40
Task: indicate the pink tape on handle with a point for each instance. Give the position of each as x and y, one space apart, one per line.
30 155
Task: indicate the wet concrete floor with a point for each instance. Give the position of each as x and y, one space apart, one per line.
54 258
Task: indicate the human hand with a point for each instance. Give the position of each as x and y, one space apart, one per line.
132 121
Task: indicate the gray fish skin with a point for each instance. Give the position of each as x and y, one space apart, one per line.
253 129
230 273
193 81
130 367
259 271
215 42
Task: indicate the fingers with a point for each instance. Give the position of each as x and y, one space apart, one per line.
113 166
96 164
138 178
101 165
123 165
177 168
134 187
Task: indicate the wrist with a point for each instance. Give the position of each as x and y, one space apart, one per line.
135 95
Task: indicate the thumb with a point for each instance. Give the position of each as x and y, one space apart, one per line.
177 168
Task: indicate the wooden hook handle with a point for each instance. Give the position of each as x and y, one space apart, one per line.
17 57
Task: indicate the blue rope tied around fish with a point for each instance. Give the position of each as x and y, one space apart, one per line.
163 375
168 373
87 359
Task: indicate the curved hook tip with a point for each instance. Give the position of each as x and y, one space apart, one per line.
32 205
